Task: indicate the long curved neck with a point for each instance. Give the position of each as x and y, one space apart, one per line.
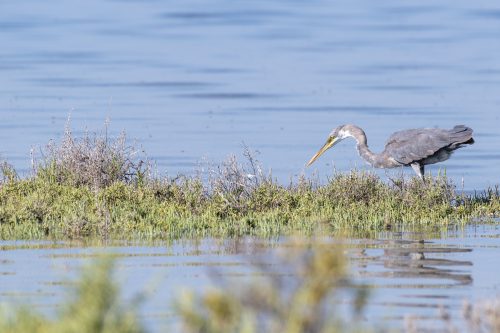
367 154
361 144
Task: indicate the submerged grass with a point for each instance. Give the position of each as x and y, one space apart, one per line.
99 186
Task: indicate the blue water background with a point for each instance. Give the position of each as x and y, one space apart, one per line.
193 80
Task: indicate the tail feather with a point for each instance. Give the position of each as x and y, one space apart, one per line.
461 135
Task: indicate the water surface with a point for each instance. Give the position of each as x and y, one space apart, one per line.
192 79
408 273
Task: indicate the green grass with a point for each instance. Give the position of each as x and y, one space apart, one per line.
102 187
39 207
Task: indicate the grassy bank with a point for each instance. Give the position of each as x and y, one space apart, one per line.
96 186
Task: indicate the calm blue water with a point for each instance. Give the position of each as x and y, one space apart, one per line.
406 276
194 79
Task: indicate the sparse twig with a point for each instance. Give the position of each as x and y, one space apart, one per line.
94 160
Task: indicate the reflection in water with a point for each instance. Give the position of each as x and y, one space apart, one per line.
416 260
405 275
415 277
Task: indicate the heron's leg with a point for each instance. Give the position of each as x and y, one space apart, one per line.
419 169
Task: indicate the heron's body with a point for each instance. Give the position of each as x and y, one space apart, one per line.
414 147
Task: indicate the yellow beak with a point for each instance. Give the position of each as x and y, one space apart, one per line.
329 144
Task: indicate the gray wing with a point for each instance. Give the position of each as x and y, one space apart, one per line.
414 145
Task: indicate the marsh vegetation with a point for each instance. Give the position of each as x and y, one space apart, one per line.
99 186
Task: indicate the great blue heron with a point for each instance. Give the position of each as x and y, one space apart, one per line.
414 147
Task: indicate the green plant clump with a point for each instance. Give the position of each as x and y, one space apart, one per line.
103 187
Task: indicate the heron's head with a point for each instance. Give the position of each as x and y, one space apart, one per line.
337 135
